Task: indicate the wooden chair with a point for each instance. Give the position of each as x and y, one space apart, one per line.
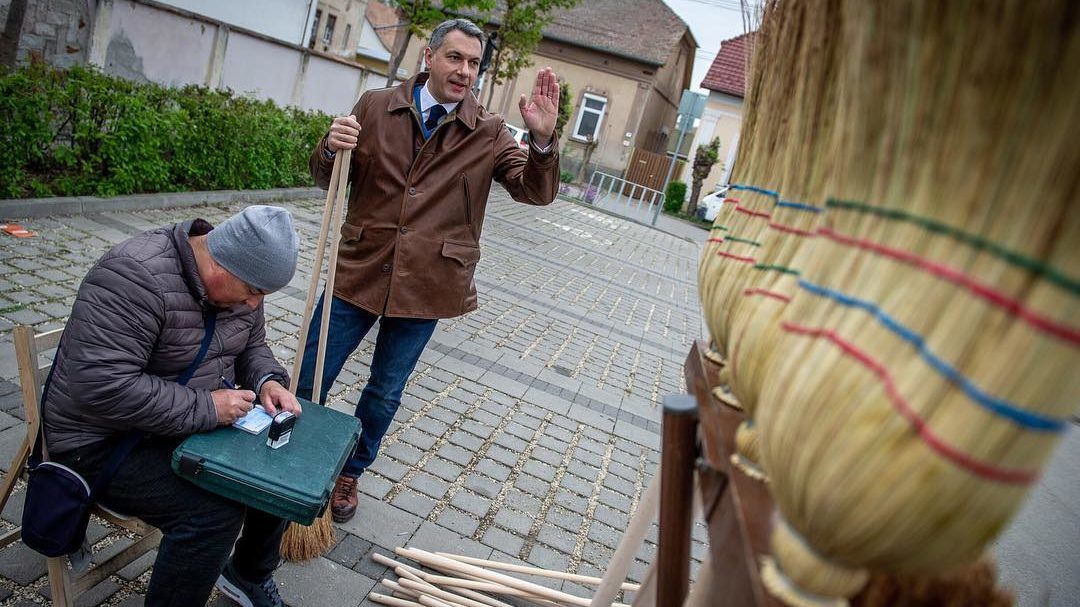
66 584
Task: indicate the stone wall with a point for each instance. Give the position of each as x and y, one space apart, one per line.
55 31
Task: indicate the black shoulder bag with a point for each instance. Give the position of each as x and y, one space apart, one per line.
58 499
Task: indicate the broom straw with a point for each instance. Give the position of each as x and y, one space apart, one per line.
803 166
304 542
939 294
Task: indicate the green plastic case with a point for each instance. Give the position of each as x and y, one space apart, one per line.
293 482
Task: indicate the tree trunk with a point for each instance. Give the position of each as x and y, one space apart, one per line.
695 191
399 54
493 69
9 44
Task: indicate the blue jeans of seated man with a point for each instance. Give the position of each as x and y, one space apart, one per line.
397 348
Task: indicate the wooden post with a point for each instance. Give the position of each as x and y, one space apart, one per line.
678 454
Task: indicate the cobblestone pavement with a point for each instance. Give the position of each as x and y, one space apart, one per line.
527 433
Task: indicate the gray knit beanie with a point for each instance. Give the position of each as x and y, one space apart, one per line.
257 245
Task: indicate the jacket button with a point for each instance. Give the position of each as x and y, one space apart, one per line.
386 268
412 191
404 230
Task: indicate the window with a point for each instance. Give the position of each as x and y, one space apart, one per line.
314 29
590 117
328 33
345 40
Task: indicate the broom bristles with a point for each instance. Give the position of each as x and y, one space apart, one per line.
909 366
305 542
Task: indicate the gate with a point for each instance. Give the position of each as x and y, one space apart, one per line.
649 169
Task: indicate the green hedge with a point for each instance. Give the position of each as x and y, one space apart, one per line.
79 132
674 197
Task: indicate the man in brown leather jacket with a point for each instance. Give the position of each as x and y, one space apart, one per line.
424 157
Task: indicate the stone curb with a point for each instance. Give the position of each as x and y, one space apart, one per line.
75 205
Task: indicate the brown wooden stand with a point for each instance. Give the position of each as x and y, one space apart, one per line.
738 509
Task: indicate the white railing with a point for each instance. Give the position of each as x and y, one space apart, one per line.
624 197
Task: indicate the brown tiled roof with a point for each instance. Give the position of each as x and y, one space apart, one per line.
644 30
728 71
380 14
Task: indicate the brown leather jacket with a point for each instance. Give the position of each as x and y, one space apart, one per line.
410 242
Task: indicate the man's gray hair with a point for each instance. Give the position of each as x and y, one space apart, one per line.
462 25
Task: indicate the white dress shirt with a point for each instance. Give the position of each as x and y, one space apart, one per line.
428 101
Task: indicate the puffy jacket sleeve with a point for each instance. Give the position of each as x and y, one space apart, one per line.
257 360
114 325
322 167
531 177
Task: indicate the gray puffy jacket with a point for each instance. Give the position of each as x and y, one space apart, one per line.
137 323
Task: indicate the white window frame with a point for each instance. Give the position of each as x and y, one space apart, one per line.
581 114
345 39
315 29
328 30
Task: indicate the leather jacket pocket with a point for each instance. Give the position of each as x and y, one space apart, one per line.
468 199
466 255
350 233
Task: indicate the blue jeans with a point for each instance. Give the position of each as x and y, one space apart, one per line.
397 348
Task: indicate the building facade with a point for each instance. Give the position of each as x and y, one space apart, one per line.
722 118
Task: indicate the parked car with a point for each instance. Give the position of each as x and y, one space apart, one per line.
521 136
711 203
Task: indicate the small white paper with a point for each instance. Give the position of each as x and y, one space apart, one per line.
255 421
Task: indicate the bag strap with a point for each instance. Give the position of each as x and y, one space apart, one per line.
131 439
124 448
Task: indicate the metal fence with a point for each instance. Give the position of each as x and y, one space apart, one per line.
624 197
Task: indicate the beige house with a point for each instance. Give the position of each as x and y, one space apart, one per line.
726 82
626 61
337 26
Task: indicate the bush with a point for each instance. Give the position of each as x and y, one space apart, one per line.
566 176
79 132
674 197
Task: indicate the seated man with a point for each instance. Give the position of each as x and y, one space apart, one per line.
137 323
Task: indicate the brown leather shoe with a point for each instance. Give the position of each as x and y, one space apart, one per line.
343 499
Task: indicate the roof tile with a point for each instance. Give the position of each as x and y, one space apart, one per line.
728 71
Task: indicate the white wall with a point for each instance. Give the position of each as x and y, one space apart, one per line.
287 20
260 69
147 43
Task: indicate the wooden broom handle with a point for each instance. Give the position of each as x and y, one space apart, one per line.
316 273
629 545
345 157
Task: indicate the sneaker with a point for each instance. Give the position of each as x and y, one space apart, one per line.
343 499
248 594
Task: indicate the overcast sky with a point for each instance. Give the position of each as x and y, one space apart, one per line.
711 22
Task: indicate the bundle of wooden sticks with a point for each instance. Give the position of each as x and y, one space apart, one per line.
471 582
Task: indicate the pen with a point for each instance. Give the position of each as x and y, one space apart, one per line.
229 384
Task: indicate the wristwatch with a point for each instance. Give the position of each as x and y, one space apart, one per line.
327 152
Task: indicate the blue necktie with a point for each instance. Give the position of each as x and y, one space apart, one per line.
434 116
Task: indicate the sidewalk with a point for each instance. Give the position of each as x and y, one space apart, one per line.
527 434
531 426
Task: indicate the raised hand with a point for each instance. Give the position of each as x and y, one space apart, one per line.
541 109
